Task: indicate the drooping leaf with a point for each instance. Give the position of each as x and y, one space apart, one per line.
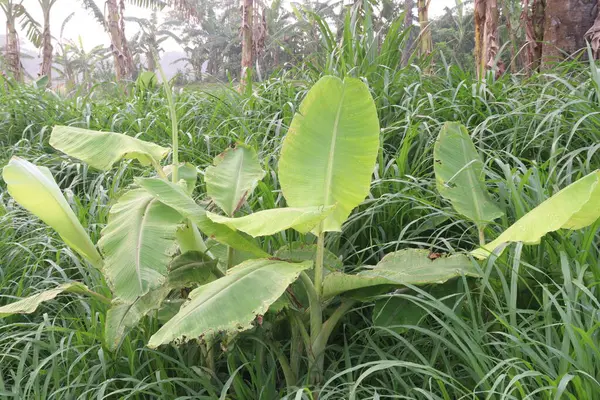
31 303
298 251
230 304
269 222
410 266
459 175
574 207
175 197
35 190
186 172
122 317
138 242
329 153
102 149
232 177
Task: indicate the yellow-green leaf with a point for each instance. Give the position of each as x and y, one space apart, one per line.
232 177
35 190
329 153
404 267
175 197
31 303
230 304
269 222
138 243
102 149
574 207
459 175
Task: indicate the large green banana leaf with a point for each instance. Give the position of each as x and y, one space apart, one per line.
269 222
329 153
175 197
232 303
102 149
34 189
138 243
459 175
574 207
232 177
404 267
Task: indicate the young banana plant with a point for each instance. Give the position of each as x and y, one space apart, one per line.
159 239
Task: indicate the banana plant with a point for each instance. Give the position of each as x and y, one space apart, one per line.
159 239
325 169
461 180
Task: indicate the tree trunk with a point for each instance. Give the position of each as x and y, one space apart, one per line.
479 19
121 55
506 11
13 56
408 23
486 36
425 41
246 73
490 35
151 61
593 34
131 70
46 67
565 25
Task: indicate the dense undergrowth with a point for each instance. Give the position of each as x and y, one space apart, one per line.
528 329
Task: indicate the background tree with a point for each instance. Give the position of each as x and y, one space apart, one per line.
14 12
148 40
47 49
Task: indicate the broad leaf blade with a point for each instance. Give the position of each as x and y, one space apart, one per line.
138 243
31 303
269 222
574 207
232 177
230 304
404 267
459 175
329 153
175 197
35 190
102 149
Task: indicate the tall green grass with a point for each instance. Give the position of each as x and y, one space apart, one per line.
527 330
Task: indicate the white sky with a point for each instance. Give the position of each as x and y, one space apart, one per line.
92 34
